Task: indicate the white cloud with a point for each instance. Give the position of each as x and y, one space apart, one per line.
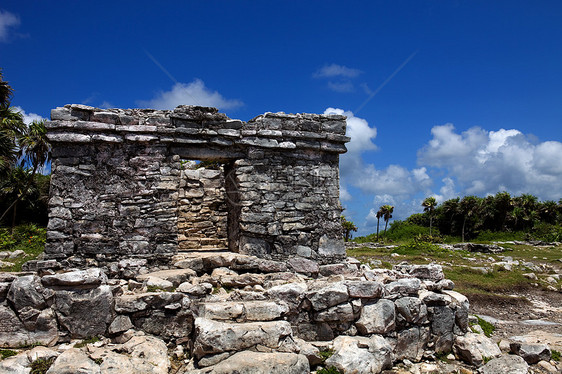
335 70
344 194
7 20
341 86
28 118
484 162
194 93
106 105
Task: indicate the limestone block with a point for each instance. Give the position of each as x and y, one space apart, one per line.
247 362
531 353
92 277
216 337
472 348
27 291
412 309
85 313
330 295
377 318
361 355
365 289
505 364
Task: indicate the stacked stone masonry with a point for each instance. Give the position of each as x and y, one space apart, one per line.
119 187
368 318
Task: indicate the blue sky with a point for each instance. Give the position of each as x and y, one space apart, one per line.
472 106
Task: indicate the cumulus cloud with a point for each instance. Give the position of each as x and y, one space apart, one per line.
28 118
7 21
335 70
194 93
485 162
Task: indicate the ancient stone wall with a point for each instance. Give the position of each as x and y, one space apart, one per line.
202 211
117 187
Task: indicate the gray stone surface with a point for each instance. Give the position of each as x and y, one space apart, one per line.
216 337
472 348
127 192
504 365
531 353
85 313
361 355
258 362
377 318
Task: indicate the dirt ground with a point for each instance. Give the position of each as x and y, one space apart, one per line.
530 312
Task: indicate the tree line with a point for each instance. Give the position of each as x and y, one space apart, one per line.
469 216
24 150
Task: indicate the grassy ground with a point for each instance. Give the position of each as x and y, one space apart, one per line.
474 273
28 239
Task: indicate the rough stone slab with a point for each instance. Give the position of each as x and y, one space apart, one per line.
505 364
258 362
90 277
377 318
330 295
360 355
213 337
472 348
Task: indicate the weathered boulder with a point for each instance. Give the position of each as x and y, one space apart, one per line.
411 343
432 272
531 353
442 324
330 295
505 364
411 309
257 363
213 337
120 324
92 277
13 332
27 291
85 313
74 361
361 355
404 287
259 310
142 354
472 348
377 318
303 266
365 289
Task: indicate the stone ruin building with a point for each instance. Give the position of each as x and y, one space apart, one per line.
120 186
236 266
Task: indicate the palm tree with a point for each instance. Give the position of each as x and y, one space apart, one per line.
6 91
35 151
387 215
348 227
380 213
429 205
469 208
16 186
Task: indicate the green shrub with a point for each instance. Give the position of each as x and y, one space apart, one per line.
5 353
487 327
28 238
502 236
546 232
555 355
324 355
41 365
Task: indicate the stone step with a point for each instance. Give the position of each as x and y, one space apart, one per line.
243 311
175 276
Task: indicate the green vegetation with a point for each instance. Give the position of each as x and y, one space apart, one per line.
330 370
5 353
486 326
500 217
41 365
28 238
324 355
24 150
555 355
442 356
87 341
348 227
